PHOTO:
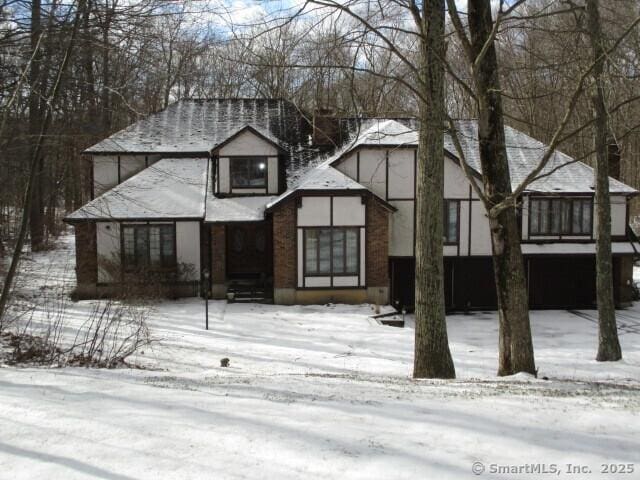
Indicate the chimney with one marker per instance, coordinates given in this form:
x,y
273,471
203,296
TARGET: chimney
x,y
326,128
613,152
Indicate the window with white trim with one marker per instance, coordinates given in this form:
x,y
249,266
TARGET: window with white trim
x,y
248,172
561,216
331,251
148,246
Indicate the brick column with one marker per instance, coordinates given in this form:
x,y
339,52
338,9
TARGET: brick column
x,y
86,259
218,261
285,254
377,252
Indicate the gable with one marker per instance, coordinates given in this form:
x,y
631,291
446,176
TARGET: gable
x,y
248,143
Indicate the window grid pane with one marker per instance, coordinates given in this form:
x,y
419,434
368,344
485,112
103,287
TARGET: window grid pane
x,y
154,246
148,246
248,172
587,214
560,216
351,253
450,227
324,251
331,251
311,253
338,251
535,215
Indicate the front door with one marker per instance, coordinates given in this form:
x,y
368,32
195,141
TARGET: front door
x,y
248,250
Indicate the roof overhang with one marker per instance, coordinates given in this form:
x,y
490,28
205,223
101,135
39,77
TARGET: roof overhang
x,y
331,193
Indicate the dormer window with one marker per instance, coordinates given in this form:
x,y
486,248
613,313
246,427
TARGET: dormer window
x,y
248,172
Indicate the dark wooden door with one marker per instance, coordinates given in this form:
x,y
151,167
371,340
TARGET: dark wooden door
x,y
248,250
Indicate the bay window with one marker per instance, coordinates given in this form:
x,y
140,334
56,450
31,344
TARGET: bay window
x,y
561,216
148,246
331,251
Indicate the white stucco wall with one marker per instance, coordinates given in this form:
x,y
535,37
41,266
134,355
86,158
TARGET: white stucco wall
x,y
272,175
224,180
349,166
188,248
314,212
105,169
618,215
401,173
105,173
480,231
348,211
248,144
456,184
401,229
373,170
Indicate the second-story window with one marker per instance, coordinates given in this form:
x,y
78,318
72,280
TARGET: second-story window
x,y
561,216
451,217
248,172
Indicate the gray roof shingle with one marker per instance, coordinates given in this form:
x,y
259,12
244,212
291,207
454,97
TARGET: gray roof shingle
x,y
170,188
523,151
197,126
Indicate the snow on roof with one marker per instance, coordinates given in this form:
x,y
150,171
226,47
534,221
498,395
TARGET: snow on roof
x,y
321,177
236,209
523,152
170,188
200,125
385,132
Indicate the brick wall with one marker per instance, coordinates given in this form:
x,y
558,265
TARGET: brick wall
x,y
284,245
218,259
377,244
86,253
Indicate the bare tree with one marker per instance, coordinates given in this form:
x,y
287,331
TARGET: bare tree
x,y
432,358
515,343
35,161
608,343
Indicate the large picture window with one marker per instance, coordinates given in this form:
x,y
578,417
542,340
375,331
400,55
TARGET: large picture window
x,y
560,216
248,172
331,251
148,246
451,217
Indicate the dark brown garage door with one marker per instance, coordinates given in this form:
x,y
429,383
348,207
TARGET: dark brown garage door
x,y
562,282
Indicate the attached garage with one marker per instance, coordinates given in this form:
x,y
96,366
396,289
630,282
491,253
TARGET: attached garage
x,y
554,282
562,282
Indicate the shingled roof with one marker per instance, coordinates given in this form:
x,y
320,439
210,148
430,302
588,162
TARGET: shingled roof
x,y
523,152
170,188
197,126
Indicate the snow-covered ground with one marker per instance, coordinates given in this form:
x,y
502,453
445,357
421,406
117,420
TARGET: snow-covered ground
x,y
318,392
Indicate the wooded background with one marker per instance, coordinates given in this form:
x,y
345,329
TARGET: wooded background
x,y
134,58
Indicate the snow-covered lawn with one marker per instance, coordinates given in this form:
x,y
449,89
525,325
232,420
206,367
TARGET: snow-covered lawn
x,y
318,392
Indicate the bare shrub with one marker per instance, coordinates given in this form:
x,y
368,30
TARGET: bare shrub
x,y
115,329
41,329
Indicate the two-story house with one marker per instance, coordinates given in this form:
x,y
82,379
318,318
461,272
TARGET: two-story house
x,y
225,195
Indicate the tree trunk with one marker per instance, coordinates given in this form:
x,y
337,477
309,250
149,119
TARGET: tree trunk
x,y
33,167
608,343
432,357
36,213
515,344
